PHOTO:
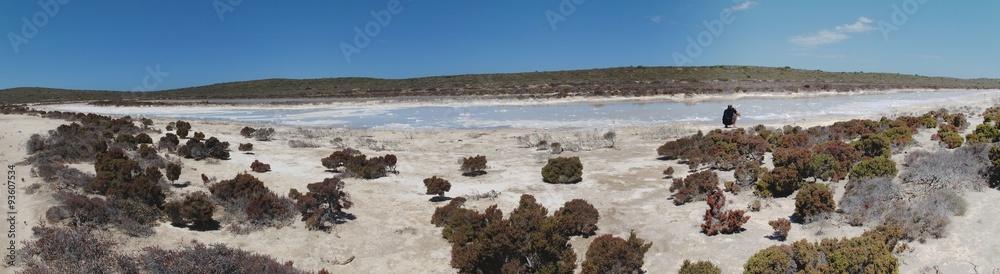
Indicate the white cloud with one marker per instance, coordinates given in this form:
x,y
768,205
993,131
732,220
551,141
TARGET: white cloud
x,y
656,19
743,6
837,34
862,25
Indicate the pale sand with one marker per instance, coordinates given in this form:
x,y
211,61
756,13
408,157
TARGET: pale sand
x,y
393,234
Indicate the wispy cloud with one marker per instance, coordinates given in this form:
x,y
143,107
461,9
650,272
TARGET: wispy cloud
x,y
656,18
743,6
835,35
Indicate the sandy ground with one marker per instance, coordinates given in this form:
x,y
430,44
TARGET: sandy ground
x,y
393,233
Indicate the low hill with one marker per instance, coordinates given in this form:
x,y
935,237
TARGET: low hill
x,y
627,81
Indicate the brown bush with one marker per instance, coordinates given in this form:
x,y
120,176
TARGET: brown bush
x,y
747,173
781,228
694,186
242,186
701,267
473,166
257,166
268,209
143,138
797,159
437,186
247,132
217,258
173,171
813,200
562,170
719,221
72,250
577,218
610,254
669,172
195,208
324,202
246,147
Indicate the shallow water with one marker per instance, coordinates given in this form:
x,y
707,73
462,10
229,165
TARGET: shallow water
x,y
759,110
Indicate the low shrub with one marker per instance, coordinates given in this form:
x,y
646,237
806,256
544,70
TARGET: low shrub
x,y
473,166
257,166
984,133
797,159
196,208
143,138
880,166
577,218
173,171
700,267
247,132
781,228
965,168
242,186
747,173
873,145
867,200
437,186
723,150
949,137
669,172
610,254
562,170
778,182
813,200
217,258
246,147
824,167
324,202
719,221
263,134
72,250
694,187
872,252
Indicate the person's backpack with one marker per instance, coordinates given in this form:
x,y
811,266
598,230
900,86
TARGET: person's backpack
x,y
727,117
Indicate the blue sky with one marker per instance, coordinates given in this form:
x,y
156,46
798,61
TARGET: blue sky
x,y
160,44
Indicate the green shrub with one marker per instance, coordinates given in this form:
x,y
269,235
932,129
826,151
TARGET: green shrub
x,y
813,200
984,133
949,137
872,252
825,167
779,182
562,170
701,267
872,145
876,167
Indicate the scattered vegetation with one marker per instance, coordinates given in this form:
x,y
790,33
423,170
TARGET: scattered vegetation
x,y
719,221
872,252
724,150
358,165
325,202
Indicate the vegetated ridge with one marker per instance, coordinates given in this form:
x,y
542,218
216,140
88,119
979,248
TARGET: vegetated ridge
x,y
622,81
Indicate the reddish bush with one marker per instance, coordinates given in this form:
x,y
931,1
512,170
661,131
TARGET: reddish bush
x,y
719,221
266,208
242,186
72,250
669,172
390,162
781,228
797,159
728,149
813,200
844,153
793,140
247,147
195,208
474,166
437,186
324,202
257,166
577,217
694,186
120,177
610,254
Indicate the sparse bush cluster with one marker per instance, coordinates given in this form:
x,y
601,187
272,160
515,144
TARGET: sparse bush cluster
x,y
694,187
195,148
961,169
356,164
563,170
872,252
719,221
529,240
719,149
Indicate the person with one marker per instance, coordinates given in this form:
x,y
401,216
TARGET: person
x,y
729,116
